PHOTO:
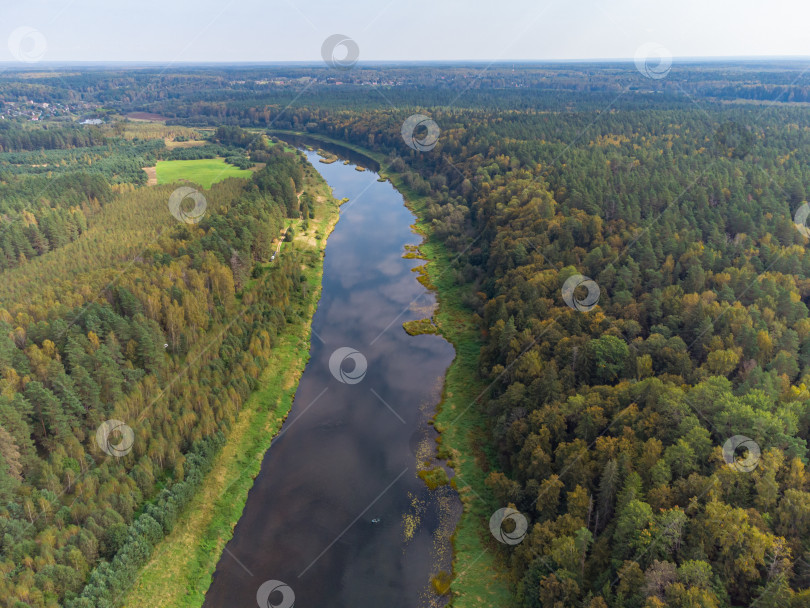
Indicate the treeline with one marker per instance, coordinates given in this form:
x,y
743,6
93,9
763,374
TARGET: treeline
x,y
171,346
237,146
261,95
16,139
232,155
281,178
119,161
609,424
133,544
234,136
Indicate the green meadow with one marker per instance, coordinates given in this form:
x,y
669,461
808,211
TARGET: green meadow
x,y
205,172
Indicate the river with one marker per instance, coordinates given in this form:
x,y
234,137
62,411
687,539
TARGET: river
x,y
337,513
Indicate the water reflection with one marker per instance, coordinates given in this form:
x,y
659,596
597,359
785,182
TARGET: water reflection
x,y
337,511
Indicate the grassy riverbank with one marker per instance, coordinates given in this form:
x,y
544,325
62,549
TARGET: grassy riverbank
x,y
179,572
476,581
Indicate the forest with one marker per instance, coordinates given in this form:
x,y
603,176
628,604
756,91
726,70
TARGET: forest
x,y
53,179
171,340
606,424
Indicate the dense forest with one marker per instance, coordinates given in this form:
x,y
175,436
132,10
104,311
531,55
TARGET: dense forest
x,y
606,424
609,423
171,341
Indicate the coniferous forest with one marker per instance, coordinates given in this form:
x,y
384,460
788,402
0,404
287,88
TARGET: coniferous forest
x,y
632,254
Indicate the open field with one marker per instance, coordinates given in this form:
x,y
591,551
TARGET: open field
x,y
194,143
142,129
204,172
148,116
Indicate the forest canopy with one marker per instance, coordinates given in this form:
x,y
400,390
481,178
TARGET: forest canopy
x,y
169,340
609,420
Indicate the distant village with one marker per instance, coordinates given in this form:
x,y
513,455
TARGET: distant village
x,y
35,111
283,81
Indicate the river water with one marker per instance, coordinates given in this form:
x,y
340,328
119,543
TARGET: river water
x,y
337,513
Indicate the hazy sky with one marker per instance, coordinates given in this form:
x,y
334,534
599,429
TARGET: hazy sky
x,y
290,30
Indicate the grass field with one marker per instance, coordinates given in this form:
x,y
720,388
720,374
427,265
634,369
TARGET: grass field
x,y
204,172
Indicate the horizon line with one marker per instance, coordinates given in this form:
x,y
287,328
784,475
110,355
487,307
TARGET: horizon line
x,y
379,62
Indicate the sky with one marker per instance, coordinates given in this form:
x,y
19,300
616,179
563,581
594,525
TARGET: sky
x,y
410,30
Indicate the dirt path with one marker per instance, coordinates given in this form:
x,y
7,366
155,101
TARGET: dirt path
x,y
151,172
280,241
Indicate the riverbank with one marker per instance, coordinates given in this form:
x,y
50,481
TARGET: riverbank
x,y
375,160
179,572
479,579
476,579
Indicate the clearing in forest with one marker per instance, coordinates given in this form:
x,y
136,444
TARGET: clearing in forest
x,y
205,172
